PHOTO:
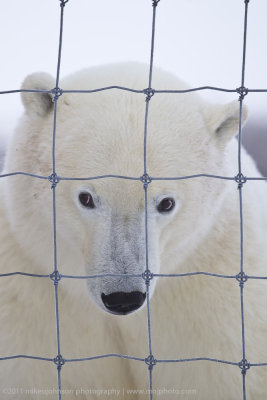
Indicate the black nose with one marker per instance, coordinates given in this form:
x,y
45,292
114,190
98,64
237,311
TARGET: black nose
x,y
122,302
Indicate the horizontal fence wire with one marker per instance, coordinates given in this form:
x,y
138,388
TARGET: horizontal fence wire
x,y
141,91
156,178
60,276
56,277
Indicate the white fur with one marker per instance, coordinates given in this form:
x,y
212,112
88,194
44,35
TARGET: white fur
x,y
102,133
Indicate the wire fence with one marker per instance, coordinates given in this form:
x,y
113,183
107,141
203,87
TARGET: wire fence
x,y
146,180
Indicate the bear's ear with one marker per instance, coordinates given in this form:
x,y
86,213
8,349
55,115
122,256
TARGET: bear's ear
x,y
38,103
223,120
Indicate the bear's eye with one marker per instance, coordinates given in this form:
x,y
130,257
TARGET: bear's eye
x,y
166,205
86,200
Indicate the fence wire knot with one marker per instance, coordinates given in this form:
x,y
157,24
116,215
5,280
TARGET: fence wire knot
x,y
63,2
59,361
146,179
147,276
241,278
54,179
244,365
149,93
150,361
55,277
155,3
240,179
243,91
57,92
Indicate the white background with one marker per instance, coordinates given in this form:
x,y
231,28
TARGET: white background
x,y
199,40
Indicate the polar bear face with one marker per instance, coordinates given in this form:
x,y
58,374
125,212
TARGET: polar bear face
x,y
101,222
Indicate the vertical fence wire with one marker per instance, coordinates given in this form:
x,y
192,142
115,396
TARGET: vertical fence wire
x,y
244,365
146,179
55,276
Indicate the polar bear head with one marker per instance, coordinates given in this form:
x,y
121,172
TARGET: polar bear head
x,y
101,226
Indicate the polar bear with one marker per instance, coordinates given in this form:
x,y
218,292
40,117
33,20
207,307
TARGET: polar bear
x,y
193,225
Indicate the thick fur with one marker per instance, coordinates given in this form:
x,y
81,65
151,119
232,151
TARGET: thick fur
x,y
199,316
